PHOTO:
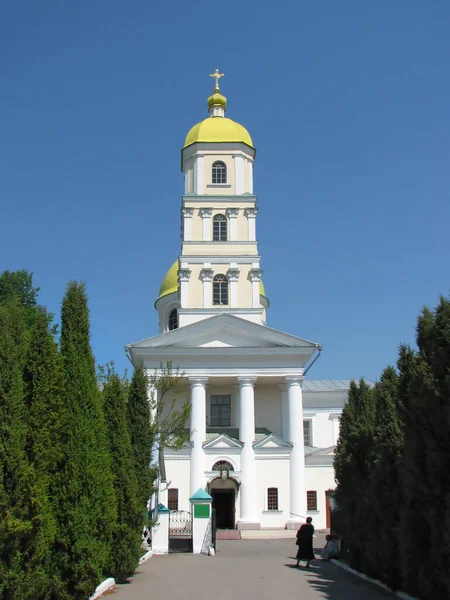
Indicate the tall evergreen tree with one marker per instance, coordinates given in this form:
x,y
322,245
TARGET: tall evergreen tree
x,y
383,487
15,471
353,459
44,419
86,502
138,419
126,535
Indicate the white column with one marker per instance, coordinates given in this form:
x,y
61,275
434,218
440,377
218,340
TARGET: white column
x,y
250,177
251,213
255,277
205,214
152,397
199,174
249,518
183,278
284,412
187,224
237,406
239,181
206,275
198,432
232,214
297,462
233,278
334,417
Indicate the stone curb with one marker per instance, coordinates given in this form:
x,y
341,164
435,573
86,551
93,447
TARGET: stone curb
x,y
146,556
103,587
110,583
342,565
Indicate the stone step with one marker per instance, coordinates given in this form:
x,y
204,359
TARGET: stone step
x,y
228,534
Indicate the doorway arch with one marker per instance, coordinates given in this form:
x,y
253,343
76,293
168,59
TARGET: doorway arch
x,y
224,491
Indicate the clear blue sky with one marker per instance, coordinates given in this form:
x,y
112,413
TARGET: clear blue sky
x,y
347,103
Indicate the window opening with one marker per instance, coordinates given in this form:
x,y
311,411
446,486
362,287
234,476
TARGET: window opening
x,y
272,499
219,228
172,499
221,411
173,319
219,172
307,433
220,290
221,465
311,500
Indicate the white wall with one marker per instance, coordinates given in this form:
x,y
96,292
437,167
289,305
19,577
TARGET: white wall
x,y
272,472
319,479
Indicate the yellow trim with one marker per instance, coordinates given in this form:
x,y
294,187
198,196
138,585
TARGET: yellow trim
x,y
218,129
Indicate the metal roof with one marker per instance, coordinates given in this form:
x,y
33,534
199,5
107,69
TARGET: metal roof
x,y
328,385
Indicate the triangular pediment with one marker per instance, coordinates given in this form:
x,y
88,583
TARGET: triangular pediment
x,y
272,441
222,441
225,331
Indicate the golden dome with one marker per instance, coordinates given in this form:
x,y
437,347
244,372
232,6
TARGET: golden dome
x,y
218,129
217,100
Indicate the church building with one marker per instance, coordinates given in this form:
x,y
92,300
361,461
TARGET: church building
x,y
262,435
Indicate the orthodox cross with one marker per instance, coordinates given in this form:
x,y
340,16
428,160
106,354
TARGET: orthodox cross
x,y
217,75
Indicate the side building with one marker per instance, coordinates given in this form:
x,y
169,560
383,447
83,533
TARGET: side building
x,y
262,436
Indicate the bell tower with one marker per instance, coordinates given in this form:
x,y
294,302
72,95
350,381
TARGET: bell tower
x,y
218,269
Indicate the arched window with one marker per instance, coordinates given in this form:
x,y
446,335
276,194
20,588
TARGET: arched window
x,y
219,172
173,319
221,465
220,290
220,228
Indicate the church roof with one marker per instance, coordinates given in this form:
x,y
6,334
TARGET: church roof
x,y
329,385
218,129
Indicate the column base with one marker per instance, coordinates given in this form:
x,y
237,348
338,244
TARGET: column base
x,y
294,524
248,525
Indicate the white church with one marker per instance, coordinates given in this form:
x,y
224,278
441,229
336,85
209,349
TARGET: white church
x,y
262,434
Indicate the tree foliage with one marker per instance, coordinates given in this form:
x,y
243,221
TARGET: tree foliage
x,y
126,534
394,491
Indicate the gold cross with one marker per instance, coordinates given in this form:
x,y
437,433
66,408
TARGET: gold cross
x,y
217,75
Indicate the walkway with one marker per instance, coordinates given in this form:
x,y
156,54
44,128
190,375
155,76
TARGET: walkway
x,y
245,569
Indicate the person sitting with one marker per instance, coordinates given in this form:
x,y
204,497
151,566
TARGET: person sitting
x,y
329,550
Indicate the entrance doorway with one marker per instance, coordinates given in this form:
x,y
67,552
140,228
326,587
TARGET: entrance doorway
x,y
223,502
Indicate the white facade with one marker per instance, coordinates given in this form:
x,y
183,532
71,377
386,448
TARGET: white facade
x,y
252,410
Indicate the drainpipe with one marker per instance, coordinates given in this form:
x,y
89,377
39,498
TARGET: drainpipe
x,y
319,348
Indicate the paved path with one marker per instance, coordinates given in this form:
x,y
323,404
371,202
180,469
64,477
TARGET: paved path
x,y
245,569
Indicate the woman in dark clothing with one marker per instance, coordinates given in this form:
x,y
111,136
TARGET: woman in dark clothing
x,y
305,542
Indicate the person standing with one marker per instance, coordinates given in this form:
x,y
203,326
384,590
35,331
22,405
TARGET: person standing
x,y
305,542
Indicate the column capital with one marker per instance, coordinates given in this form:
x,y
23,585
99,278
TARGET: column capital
x,y
255,275
233,274
187,212
251,213
232,212
244,380
198,380
206,274
205,212
184,274
294,379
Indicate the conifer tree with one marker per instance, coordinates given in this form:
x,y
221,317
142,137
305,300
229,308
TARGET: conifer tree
x,y
126,535
138,419
86,502
352,463
383,488
44,419
15,472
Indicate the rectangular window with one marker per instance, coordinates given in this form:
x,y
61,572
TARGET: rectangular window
x,y
272,499
172,499
311,500
307,433
221,411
